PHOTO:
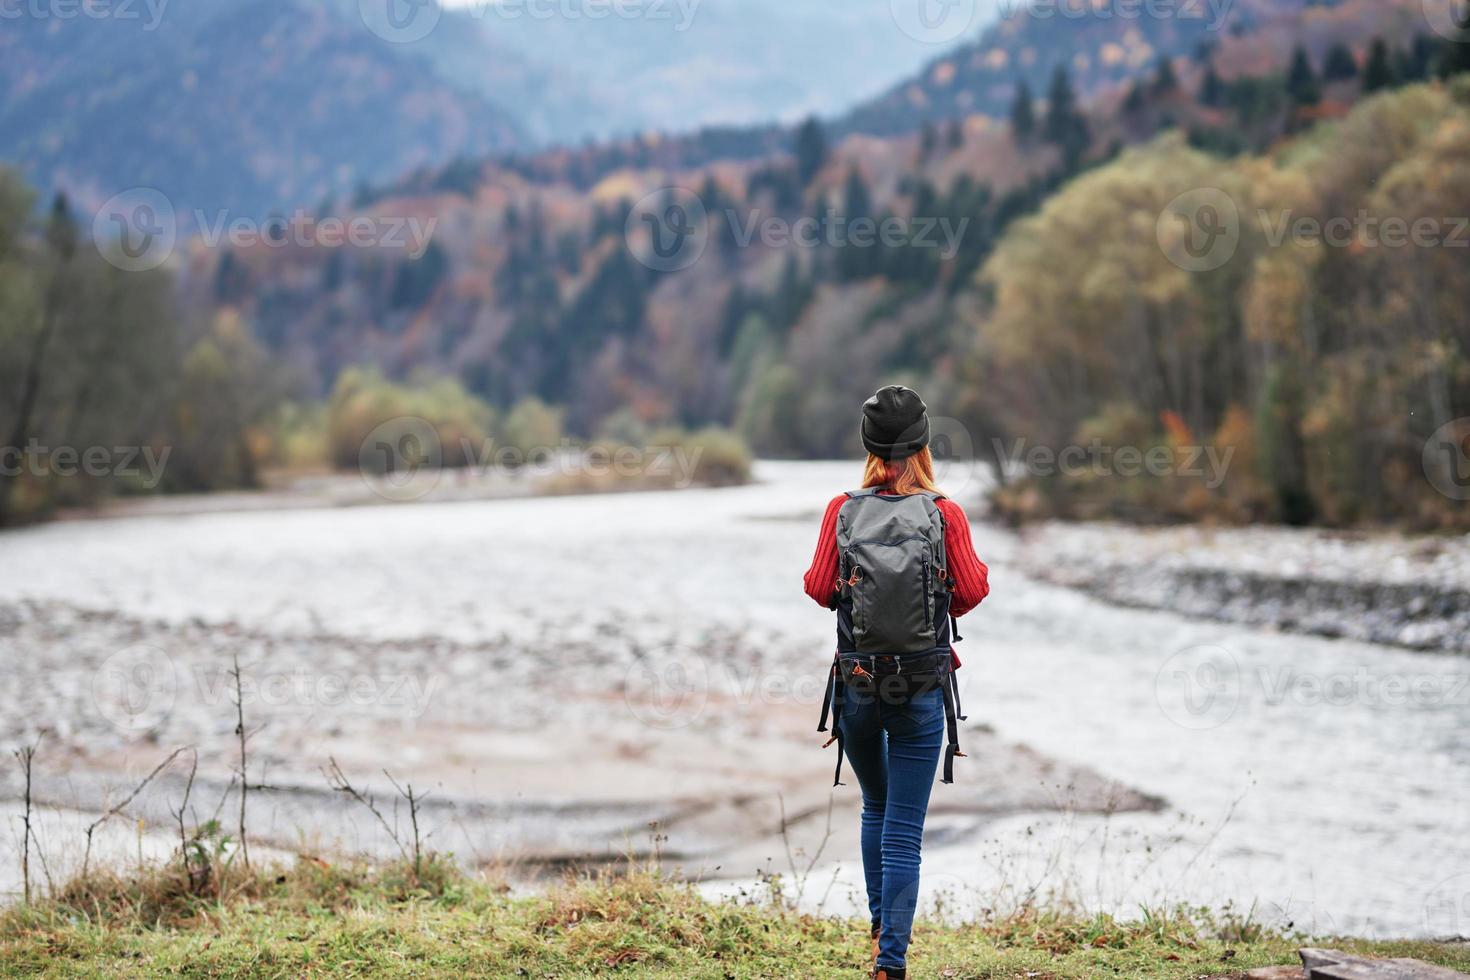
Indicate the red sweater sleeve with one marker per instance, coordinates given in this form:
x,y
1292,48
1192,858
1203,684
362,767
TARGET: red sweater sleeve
x,y
972,578
820,581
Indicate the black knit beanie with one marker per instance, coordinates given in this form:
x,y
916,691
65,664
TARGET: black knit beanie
x,y
895,423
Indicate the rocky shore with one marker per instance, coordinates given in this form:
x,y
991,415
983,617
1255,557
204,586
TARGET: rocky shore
x,y
1406,591
613,748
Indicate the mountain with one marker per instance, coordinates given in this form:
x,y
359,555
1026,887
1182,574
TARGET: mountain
x,y
231,106
683,64
242,107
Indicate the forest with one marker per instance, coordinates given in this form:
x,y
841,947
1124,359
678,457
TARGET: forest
x,y
1063,315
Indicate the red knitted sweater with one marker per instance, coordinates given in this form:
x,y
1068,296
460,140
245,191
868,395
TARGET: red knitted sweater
x,y
972,578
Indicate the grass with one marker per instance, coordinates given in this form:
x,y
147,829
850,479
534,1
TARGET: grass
x,y
316,919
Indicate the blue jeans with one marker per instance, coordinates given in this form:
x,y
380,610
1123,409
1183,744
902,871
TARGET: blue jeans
x,y
893,749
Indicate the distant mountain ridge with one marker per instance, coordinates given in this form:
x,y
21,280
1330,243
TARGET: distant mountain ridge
x,y
245,105
1106,48
253,106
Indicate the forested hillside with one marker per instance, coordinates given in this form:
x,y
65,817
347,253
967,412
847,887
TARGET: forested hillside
x,y
1033,281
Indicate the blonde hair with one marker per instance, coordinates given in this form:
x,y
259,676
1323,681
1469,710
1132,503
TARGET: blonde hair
x,y
903,476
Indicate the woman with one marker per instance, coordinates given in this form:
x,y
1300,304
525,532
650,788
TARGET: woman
x,y
895,561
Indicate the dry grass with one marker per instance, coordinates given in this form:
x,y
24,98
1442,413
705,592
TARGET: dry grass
x,y
318,919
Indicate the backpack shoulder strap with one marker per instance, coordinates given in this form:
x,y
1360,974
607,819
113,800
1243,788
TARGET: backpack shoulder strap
x,y
865,492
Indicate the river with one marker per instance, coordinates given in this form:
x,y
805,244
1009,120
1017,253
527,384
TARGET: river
x,y
1323,783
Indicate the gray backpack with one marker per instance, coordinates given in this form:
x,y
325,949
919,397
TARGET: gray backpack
x,y
892,602
891,564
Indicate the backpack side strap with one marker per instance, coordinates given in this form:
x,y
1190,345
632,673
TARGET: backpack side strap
x,y
951,691
832,703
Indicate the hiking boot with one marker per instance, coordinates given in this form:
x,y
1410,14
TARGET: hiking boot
x,y
876,929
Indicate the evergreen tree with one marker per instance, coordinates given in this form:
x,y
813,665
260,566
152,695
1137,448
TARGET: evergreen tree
x,y
1378,73
1454,56
1406,70
956,134
792,296
928,139
1134,102
418,278
856,261
811,150
1023,113
1340,65
1064,124
1165,81
1301,79
1061,106
1212,89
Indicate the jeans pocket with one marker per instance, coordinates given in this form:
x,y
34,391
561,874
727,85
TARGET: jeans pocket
x,y
920,714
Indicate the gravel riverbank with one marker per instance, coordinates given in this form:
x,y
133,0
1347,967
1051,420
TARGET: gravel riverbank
x,y
529,758
1381,587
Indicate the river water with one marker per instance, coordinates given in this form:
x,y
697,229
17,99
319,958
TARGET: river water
x,y
1323,783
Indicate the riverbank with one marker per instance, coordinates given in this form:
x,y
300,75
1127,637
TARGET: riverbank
x,y
705,460
1376,587
538,753
321,918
